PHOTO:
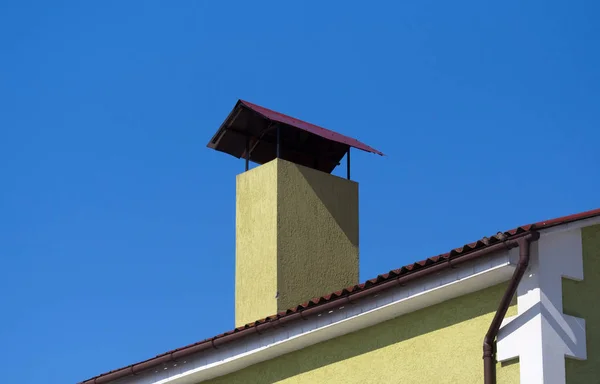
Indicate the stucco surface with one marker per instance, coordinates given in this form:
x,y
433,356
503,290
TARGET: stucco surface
x,y
582,299
296,237
438,344
317,233
256,244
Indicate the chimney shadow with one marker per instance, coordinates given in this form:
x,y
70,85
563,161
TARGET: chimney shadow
x,y
342,208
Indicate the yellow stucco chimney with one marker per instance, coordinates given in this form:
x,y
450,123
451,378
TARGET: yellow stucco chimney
x,y
296,237
296,224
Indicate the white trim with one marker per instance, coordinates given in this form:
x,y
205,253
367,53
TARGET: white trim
x,y
570,226
541,335
467,278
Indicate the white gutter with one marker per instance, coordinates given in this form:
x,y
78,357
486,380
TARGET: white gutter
x,y
469,277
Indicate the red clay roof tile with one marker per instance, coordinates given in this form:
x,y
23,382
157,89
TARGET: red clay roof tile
x,y
485,242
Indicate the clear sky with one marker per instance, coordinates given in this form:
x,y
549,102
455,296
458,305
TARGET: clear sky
x,y
117,223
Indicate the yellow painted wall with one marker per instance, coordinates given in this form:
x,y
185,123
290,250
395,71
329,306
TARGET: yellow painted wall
x,y
317,233
296,236
256,244
582,299
438,344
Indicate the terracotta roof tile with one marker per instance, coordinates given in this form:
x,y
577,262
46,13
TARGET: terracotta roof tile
x,y
393,274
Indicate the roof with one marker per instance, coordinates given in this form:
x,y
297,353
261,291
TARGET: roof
x,y
371,284
256,128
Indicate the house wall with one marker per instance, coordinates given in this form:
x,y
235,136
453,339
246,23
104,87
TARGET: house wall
x,y
581,299
438,344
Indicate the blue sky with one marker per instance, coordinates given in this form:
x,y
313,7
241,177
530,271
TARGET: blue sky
x,y
117,223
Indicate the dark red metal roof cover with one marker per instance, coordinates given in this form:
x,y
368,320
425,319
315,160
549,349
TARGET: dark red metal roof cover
x,y
300,142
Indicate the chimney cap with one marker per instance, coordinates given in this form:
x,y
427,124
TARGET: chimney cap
x,y
253,128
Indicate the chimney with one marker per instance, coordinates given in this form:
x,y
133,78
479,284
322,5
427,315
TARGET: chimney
x,y
296,224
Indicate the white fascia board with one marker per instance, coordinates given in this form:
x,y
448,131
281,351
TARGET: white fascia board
x,y
467,278
570,226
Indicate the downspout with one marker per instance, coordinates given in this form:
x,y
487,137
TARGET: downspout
x,y
489,353
277,321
